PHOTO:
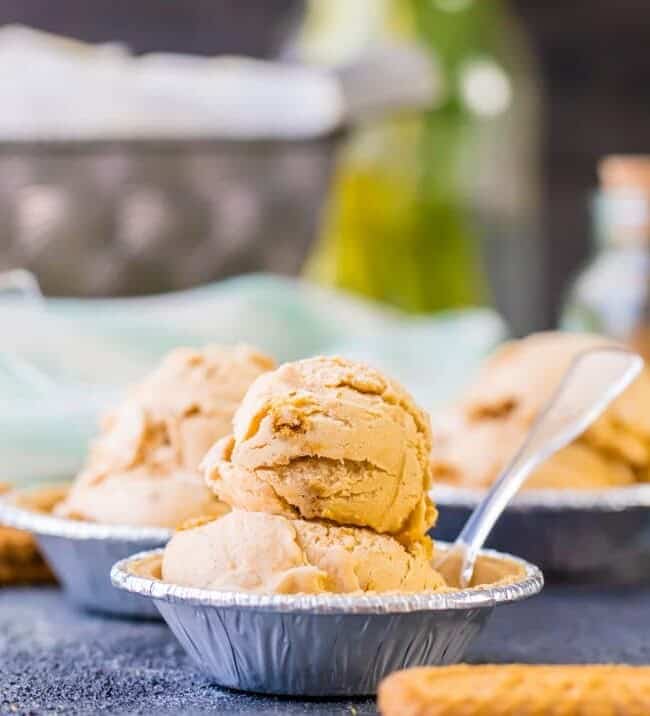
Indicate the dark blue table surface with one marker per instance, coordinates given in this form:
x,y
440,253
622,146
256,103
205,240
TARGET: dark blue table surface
x,y
54,660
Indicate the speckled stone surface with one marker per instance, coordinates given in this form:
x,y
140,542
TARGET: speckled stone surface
x,y
54,660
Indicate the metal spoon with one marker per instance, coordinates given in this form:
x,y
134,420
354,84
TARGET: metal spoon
x,y
593,380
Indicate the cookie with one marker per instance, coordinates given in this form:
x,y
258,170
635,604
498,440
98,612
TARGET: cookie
x,y
522,689
20,560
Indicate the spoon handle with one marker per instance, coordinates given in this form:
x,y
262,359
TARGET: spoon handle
x,y
572,408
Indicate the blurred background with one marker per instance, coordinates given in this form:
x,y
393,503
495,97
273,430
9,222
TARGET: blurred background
x,y
464,182
404,181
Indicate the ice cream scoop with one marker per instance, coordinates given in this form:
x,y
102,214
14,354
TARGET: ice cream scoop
x,y
271,554
593,380
476,436
143,467
141,497
180,409
328,438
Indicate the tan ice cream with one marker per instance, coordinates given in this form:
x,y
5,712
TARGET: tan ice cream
x,y
482,431
259,552
326,438
140,497
143,467
328,474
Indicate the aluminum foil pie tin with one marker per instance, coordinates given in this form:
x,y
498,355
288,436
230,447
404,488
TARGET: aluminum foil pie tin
x,y
575,535
81,555
325,644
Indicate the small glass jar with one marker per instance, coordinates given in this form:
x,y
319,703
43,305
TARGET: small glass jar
x,y
611,295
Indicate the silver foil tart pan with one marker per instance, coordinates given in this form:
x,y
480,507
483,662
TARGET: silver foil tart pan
x,y
573,535
81,555
325,644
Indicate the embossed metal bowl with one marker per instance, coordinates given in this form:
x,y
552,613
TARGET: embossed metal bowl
x,y
149,216
154,201
590,536
81,555
325,644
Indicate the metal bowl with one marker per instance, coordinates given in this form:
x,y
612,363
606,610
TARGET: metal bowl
x,y
590,536
100,218
326,644
81,555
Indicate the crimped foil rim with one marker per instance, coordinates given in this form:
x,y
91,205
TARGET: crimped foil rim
x,y
45,524
614,499
479,597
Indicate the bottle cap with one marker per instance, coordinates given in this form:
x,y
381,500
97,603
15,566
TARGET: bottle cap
x,y
623,202
621,171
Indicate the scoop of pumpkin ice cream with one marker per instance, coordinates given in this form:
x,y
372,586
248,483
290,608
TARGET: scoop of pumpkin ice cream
x,y
319,439
139,497
327,438
265,553
177,412
143,467
478,435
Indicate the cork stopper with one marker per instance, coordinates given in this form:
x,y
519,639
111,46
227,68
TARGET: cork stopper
x,y
620,171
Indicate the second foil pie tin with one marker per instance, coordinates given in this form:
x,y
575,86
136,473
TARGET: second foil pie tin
x,y
81,555
324,644
575,535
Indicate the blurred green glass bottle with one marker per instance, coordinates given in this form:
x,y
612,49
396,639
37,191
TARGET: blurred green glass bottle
x,y
399,226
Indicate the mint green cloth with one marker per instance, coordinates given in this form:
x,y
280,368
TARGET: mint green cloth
x,y
90,349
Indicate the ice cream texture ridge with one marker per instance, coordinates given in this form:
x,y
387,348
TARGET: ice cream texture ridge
x,y
143,468
327,471
477,436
